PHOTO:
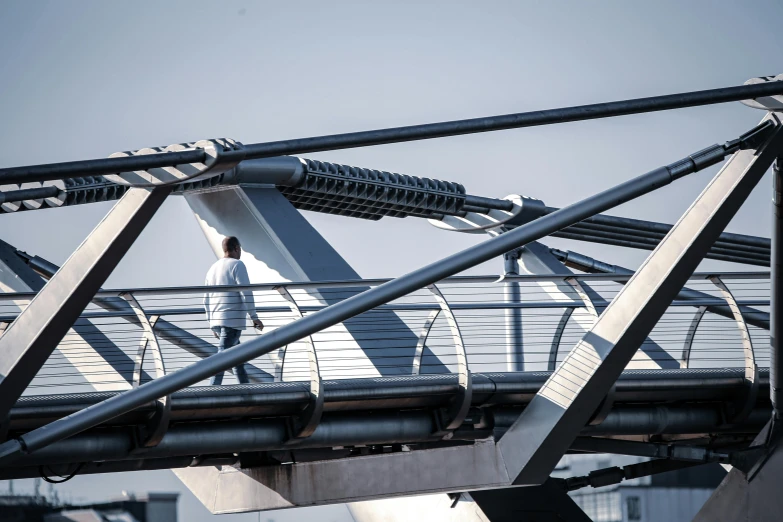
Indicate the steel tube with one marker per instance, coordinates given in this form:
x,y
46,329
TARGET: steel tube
x,y
173,333
660,420
355,395
398,134
12,196
409,427
97,167
122,466
661,229
511,121
515,355
650,243
664,228
471,208
490,203
363,283
658,236
752,316
630,244
776,294
357,304
234,437
633,420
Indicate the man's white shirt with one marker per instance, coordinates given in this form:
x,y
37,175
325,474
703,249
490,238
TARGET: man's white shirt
x,y
229,308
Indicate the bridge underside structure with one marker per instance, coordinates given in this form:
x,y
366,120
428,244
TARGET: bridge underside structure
x,y
375,392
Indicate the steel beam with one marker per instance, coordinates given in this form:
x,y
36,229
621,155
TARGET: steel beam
x,y
533,445
32,337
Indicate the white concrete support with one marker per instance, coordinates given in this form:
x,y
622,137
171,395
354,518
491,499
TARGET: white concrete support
x,y
278,244
456,469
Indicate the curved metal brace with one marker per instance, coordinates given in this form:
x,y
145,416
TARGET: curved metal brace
x,y
454,416
308,420
577,286
138,366
685,359
158,423
556,339
425,333
751,368
580,291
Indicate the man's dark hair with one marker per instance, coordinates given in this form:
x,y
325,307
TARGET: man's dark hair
x,y
230,244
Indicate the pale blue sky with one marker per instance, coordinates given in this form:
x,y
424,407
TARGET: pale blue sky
x,y
84,79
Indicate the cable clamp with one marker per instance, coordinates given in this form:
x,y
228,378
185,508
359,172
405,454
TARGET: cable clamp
x,y
221,155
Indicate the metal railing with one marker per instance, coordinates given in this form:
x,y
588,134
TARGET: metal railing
x,y
455,326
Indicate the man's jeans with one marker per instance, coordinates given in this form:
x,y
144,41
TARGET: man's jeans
x,y
228,337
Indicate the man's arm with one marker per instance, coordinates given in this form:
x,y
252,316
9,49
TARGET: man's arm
x,y
242,278
205,303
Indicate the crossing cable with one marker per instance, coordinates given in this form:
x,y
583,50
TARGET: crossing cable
x,y
162,158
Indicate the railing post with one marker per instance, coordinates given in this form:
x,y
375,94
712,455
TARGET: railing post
x,y
515,357
685,359
776,293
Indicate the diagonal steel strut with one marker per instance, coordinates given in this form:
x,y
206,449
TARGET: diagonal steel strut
x,y
33,336
382,294
533,445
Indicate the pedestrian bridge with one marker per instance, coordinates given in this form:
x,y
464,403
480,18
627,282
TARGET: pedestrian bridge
x,y
431,382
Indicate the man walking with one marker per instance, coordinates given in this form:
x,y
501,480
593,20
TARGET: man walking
x,y
226,309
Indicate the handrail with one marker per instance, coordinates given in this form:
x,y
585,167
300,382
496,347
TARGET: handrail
x,y
173,290
402,307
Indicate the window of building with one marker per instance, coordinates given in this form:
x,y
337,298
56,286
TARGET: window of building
x,y
601,507
634,507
